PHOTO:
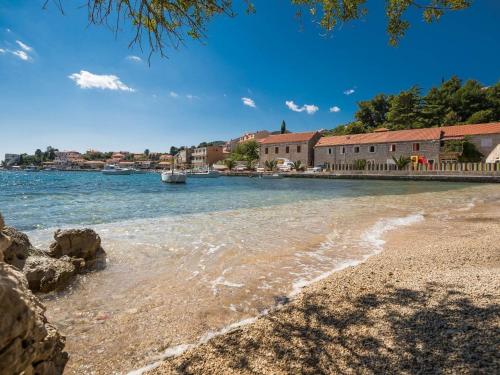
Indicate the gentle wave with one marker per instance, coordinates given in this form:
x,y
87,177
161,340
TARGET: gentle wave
x,y
373,239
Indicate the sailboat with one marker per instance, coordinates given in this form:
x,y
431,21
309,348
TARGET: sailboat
x,y
173,176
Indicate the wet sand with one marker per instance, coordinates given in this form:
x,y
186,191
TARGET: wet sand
x,y
429,303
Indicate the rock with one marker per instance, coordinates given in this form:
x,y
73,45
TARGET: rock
x,y
5,241
28,343
45,274
19,249
81,244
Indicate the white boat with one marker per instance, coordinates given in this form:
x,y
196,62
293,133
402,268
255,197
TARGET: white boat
x,y
138,171
114,170
173,177
31,168
205,174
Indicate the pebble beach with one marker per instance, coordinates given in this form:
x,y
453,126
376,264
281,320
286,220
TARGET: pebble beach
x,y
429,303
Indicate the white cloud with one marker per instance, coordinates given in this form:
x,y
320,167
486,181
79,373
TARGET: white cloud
x,y
87,80
334,109
173,94
248,102
23,46
190,96
349,92
2,50
21,54
134,58
311,109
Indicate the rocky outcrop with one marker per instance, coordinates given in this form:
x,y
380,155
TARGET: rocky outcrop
x,y
45,274
82,244
73,251
19,249
28,343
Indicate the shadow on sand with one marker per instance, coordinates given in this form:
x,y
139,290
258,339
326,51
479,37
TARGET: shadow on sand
x,y
434,330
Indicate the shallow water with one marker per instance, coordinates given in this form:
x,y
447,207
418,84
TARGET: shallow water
x,y
185,261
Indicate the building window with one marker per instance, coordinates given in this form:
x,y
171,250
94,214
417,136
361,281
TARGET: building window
x,y
392,148
287,149
342,150
329,151
298,148
372,149
266,150
486,142
356,149
416,147
276,150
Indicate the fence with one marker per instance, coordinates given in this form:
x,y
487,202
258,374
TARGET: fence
x,y
445,168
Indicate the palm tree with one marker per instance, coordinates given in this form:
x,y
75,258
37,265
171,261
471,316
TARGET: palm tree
x,y
298,166
271,165
401,162
230,163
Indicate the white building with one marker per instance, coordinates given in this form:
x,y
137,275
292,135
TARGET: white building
x,y
12,159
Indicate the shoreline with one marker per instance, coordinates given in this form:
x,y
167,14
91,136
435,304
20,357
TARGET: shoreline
x,y
307,335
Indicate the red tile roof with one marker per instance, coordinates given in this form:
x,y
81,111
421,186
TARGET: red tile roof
x,y
472,129
288,138
428,134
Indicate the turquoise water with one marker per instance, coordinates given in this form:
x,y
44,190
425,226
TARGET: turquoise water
x,y
49,199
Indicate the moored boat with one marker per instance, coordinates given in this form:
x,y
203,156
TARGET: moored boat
x,y
174,177
114,170
31,168
205,174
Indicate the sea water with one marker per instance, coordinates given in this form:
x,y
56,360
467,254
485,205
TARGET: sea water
x,y
186,262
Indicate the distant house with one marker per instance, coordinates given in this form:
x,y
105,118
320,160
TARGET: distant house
x,y
67,158
257,135
292,146
382,145
12,159
203,157
183,158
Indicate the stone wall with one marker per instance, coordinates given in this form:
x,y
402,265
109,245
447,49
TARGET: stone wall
x,y
306,154
329,155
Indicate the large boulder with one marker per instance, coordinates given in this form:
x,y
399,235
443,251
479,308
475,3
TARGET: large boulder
x,y
79,244
28,343
19,249
5,241
45,274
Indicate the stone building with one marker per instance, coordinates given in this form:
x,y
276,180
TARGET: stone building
x,y
183,158
233,143
291,146
382,145
203,157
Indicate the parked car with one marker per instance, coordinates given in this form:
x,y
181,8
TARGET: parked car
x,y
240,168
314,170
286,166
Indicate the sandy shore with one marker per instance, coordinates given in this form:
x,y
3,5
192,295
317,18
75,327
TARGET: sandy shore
x,y
429,303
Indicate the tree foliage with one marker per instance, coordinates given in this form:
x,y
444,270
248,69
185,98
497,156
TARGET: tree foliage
x,y
246,151
271,165
401,162
167,23
450,103
283,127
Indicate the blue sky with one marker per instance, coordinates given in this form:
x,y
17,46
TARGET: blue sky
x,y
198,93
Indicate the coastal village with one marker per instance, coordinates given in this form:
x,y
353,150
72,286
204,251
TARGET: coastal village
x,y
421,149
